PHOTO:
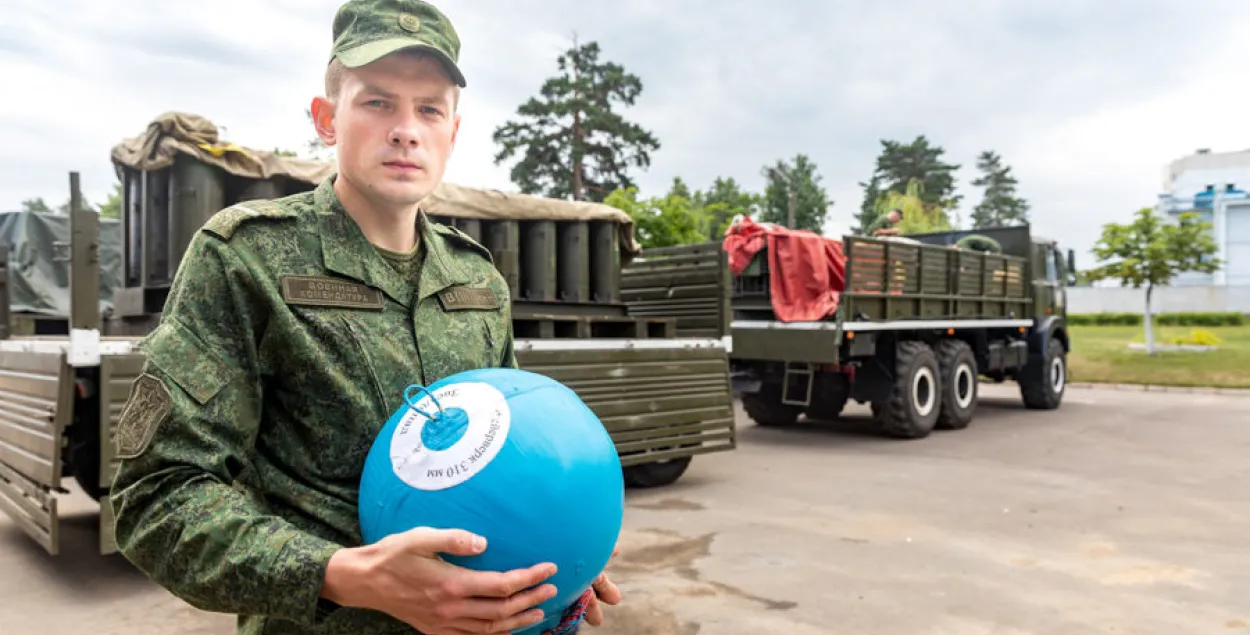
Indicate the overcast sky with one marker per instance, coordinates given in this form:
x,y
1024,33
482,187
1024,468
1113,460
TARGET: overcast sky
x,y
1087,100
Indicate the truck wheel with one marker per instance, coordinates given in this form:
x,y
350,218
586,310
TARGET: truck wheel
x,y
959,384
656,474
1042,385
916,400
765,407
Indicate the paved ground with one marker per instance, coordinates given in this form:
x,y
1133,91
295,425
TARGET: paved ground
x,y
1122,513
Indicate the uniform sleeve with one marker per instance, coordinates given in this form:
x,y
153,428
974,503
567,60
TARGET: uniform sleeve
x,y
508,360
185,434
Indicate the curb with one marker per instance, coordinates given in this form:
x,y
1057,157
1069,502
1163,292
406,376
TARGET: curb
x,y
1189,390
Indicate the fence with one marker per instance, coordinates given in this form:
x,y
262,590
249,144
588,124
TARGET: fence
x,y
1183,299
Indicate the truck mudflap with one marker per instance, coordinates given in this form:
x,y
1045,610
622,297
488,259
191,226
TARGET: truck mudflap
x,y
36,403
660,399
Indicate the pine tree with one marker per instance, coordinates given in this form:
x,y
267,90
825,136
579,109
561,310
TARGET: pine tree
x,y
999,206
571,141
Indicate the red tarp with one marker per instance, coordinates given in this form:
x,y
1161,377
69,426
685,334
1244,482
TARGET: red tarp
x,y
807,271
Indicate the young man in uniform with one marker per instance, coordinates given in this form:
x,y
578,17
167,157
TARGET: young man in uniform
x,y
290,332
885,225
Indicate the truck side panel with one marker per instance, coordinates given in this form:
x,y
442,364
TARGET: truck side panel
x,y
690,283
36,393
892,280
117,373
657,403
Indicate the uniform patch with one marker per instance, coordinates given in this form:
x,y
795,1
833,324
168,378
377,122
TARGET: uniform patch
x,y
317,291
461,298
147,407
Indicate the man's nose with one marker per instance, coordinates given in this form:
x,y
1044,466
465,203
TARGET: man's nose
x,y
405,134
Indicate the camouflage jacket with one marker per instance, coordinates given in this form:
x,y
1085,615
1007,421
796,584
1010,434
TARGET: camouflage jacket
x,y
286,343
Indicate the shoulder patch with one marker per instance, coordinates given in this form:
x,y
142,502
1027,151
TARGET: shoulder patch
x,y
147,407
225,222
462,239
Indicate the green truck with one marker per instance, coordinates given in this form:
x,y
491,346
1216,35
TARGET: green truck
x,y
664,396
918,325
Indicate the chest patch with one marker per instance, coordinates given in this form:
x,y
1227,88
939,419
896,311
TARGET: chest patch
x,y
461,298
318,291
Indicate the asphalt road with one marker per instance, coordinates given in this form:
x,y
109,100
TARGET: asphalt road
x,y
1123,512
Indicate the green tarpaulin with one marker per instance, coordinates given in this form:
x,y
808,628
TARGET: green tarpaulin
x,y
38,279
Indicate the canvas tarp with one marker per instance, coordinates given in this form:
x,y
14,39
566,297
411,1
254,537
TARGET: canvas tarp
x,y
176,132
38,283
458,201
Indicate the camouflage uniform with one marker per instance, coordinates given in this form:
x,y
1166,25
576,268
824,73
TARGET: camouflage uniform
x,y
286,343
882,222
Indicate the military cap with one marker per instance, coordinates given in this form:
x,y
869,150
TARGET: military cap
x,y
366,30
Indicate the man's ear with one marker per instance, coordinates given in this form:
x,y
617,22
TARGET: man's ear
x,y
323,120
455,131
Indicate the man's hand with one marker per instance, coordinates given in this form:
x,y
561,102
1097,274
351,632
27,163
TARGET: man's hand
x,y
403,576
601,590
605,592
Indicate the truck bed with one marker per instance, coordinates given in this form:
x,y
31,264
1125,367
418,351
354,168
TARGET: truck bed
x,y
890,285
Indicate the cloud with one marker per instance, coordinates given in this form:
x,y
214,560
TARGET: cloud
x,y
1086,100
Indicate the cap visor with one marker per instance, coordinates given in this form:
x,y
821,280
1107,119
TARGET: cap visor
x,y
373,51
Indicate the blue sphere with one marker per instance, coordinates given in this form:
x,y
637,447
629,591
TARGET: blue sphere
x,y
510,455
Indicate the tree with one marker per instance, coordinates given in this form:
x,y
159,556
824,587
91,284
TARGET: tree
x,y
112,206
36,206
571,142
724,200
661,221
811,201
1151,252
999,206
869,208
899,164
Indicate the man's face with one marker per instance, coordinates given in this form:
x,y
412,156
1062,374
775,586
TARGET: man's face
x,y
894,217
394,126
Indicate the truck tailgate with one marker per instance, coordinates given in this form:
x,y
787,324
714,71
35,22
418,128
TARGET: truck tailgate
x,y
36,392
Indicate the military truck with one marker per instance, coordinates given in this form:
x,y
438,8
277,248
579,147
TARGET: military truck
x,y
919,323
664,397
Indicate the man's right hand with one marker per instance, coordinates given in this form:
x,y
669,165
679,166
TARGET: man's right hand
x,y
403,576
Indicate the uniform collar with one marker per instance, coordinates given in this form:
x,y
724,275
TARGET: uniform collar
x,y
346,251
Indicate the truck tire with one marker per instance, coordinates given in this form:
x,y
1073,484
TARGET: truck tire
x,y
916,400
765,407
1043,381
958,373
657,474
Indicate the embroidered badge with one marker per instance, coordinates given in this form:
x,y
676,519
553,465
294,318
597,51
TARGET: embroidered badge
x,y
147,407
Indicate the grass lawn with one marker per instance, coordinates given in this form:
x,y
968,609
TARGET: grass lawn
x,y
1101,354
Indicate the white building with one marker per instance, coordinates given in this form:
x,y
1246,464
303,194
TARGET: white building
x,y
1215,185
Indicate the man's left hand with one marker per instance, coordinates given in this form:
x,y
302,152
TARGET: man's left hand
x,y
602,591
605,592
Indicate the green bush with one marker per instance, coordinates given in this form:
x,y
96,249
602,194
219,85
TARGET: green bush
x,y
1165,319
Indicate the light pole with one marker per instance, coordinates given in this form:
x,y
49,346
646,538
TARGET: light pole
x,y
782,175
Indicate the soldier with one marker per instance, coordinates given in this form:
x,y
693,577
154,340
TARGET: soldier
x,y
290,332
885,225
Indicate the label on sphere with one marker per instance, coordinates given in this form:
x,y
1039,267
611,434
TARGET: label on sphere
x,y
426,469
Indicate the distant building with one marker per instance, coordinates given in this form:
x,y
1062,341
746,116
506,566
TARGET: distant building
x,y
1215,185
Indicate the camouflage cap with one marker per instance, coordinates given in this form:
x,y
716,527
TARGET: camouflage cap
x,y
366,30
